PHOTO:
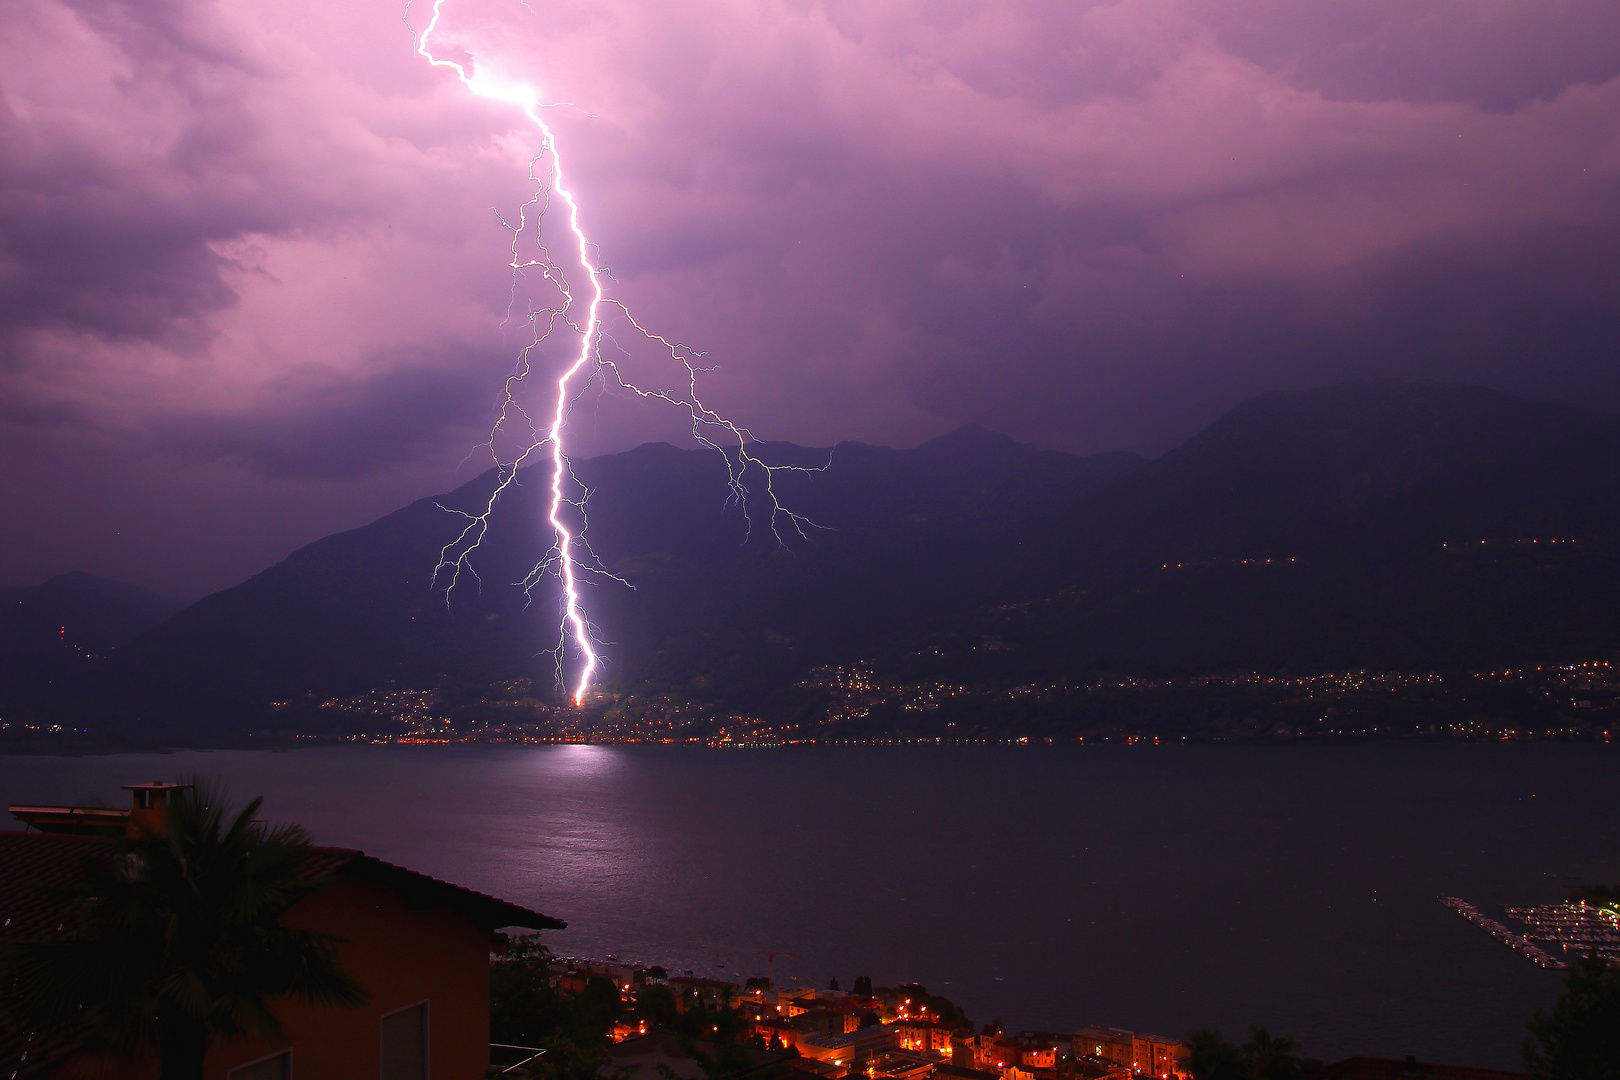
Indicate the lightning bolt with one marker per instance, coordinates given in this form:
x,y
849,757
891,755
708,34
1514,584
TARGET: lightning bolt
x,y
570,557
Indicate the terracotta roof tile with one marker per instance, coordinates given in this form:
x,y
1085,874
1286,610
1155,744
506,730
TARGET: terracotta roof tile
x,y
420,890
35,873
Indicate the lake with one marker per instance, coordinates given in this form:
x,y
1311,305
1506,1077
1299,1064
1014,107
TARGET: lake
x,y
1157,888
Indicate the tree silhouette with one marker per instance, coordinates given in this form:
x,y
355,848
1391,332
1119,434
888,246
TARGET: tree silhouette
x,y
1263,1057
1269,1057
656,1005
1580,1038
180,940
523,1004
1210,1057
600,1004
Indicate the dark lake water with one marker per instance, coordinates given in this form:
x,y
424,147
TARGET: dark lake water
x,y
1154,888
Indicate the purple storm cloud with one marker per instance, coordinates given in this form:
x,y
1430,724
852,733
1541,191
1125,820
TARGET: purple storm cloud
x,y
252,277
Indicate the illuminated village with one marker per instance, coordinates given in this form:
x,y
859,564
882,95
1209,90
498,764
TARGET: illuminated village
x,y
855,704
885,1033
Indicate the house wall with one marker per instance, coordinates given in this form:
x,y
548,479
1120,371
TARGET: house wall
x,y
1116,1046
401,957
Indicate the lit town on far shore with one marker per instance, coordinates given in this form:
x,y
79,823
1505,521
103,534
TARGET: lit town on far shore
x,y
846,699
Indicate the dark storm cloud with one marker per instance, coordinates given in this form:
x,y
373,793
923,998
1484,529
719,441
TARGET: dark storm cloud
x,y
1496,55
117,243
1099,224
314,426
261,235
1534,314
144,273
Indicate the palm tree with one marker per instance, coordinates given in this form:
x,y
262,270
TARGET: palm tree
x,y
1210,1057
1271,1057
180,939
1579,1038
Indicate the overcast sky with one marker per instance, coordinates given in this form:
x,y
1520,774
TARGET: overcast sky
x,y
253,269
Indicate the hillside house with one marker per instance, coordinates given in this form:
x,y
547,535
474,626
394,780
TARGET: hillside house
x,y
418,946
926,1035
696,991
1145,1055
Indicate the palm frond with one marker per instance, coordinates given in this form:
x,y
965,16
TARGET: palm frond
x,y
181,932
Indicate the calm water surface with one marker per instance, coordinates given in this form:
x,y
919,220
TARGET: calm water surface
x,y
1154,888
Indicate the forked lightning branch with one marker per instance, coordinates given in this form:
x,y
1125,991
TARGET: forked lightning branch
x,y
580,303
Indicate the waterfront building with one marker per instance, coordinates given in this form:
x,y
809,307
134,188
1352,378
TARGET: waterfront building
x,y
798,1005
568,980
1093,1067
1110,1044
835,1049
985,1052
1145,1055
710,993
900,1066
1035,1052
821,1070
923,1035
1061,1043
1029,1072
776,1032
958,1072
872,1040
756,1008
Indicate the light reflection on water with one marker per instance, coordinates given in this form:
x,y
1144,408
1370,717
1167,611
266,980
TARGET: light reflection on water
x,y
1154,888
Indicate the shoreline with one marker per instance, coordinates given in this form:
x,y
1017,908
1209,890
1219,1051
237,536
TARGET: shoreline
x,y
283,743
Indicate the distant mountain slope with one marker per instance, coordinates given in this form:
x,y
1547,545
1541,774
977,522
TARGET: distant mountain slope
x,y
901,537
1374,524
53,635
1371,464
90,613
1406,526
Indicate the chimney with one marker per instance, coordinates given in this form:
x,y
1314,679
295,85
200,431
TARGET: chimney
x,y
1411,1067
150,811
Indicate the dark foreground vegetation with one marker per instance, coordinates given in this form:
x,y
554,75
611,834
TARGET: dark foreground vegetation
x,y
180,941
1578,1038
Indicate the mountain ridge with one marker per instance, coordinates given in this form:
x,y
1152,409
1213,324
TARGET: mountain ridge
x,y
1302,530
660,517
1371,501
52,636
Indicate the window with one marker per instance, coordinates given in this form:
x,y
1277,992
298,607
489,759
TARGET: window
x,y
274,1067
405,1044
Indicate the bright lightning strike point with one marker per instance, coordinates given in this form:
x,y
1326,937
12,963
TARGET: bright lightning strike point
x,y
707,425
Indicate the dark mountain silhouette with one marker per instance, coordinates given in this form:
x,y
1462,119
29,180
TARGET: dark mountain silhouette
x,y
1380,524
1383,524
54,636
89,613
712,600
